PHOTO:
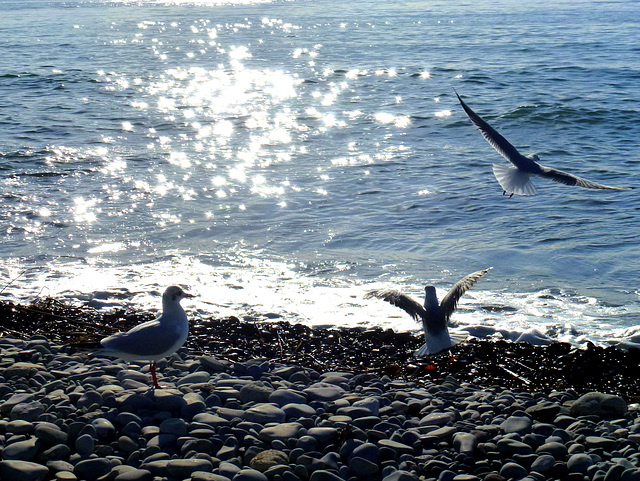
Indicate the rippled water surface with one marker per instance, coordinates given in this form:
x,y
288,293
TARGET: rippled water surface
x,y
286,157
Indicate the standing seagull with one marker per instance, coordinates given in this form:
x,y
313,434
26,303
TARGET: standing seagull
x,y
434,315
153,340
516,179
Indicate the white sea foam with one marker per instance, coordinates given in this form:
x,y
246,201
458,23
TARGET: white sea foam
x,y
268,290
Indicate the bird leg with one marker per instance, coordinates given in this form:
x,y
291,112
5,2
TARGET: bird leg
x,y
504,192
152,368
511,195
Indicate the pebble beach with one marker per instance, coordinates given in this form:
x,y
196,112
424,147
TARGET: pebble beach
x,y
257,409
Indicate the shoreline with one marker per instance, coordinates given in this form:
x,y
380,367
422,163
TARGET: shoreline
x,y
515,365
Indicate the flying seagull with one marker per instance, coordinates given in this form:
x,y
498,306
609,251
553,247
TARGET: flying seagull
x,y
516,180
434,315
153,340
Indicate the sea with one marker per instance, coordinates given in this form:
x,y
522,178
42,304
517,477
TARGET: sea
x,y
281,158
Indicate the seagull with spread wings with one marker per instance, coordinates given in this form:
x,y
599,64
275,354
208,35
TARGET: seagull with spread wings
x,y
434,315
516,180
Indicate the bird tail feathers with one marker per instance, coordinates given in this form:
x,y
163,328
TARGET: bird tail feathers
x,y
457,338
436,344
513,180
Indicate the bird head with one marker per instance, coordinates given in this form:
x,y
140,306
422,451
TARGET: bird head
x,y
174,294
431,298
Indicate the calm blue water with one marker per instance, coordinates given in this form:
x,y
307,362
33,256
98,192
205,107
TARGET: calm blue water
x,y
286,157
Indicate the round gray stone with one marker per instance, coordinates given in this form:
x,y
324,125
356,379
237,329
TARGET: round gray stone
x,y
282,431
401,475
104,428
595,442
543,463
249,475
184,468
579,463
30,411
517,424
323,392
134,475
175,426
511,446
203,476
264,413
50,434
555,449
605,406
281,397
435,419
22,450
267,459
89,398
362,468
198,377
370,404
465,443
85,445
22,471
400,448
322,434
324,475
255,392
296,410
91,469
513,471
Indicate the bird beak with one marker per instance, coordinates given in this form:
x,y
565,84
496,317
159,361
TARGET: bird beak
x,y
186,294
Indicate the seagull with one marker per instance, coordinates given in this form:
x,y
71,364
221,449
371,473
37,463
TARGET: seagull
x,y
153,340
516,179
434,315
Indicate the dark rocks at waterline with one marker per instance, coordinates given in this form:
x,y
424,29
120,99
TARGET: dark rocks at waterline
x,y
508,364
97,419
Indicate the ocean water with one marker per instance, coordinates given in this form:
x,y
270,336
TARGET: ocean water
x,y
282,158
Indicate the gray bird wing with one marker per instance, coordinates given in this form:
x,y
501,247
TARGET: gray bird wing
x,y
398,299
137,340
570,179
496,140
450,301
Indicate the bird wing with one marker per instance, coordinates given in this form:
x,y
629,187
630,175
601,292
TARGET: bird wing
x,y
450,301
570,179
146,339
496,140
398,299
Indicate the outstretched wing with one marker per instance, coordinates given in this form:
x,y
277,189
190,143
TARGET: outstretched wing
x,y
569,179
400,300
496,140
450,301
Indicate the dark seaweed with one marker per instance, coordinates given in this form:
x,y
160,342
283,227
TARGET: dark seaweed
x,y
485,363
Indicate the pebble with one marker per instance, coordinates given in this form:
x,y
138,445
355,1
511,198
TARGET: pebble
x,y
249,474
517,424
92,469
22,471
543,463
90,419
22,450
184,468
513,471
579,463
605,406
265,413
265,460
